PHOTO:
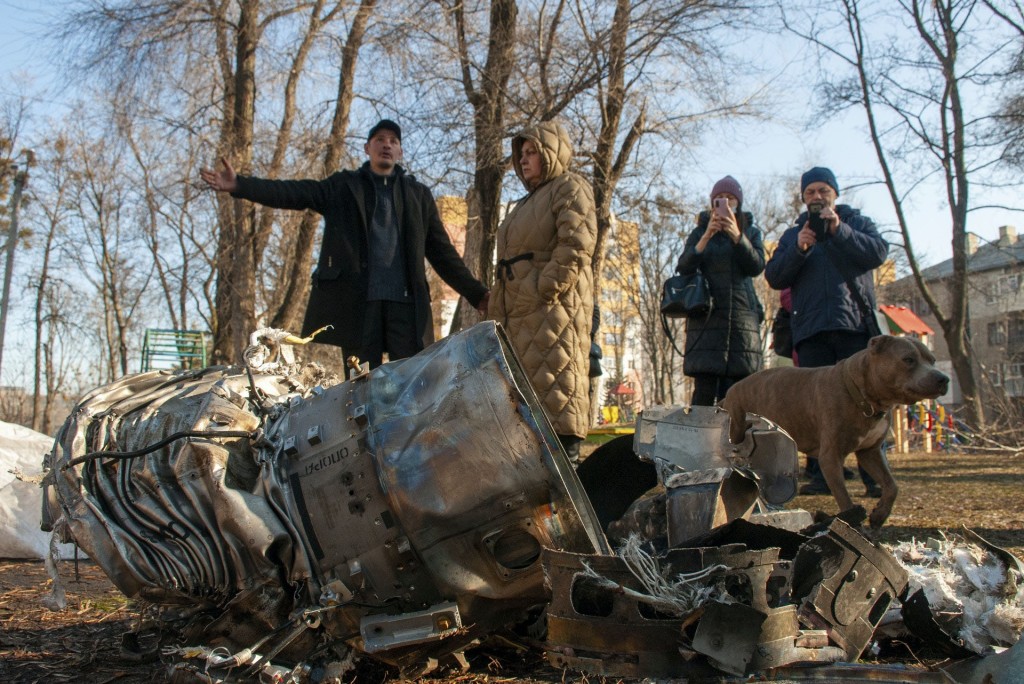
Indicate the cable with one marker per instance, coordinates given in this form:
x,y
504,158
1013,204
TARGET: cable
x,y
125,455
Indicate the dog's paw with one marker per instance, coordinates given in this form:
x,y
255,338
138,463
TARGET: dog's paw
x,y
878,518
738,431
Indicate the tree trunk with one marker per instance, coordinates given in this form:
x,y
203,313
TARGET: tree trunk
x,y
296,281
236,257
488,99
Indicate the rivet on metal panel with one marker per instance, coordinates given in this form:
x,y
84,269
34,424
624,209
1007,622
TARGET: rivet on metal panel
x,y
313,435
290,446
359,415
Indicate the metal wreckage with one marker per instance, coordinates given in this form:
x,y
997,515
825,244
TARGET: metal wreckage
x,y
279,523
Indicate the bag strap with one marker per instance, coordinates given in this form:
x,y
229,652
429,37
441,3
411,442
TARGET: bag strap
x,y
865,311
668,333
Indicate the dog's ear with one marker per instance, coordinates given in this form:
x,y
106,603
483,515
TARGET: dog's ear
x,y
879,343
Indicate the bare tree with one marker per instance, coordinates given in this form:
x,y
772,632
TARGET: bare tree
x,y
294,284
923,74
642,38
46,316
104,249
1010,117
484,84
663,230
143,45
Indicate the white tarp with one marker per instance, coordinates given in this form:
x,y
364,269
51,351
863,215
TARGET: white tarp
x,y
21,451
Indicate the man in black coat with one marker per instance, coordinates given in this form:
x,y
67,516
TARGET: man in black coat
x,y
379,224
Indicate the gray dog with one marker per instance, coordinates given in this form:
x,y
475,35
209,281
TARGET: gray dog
x,y
834,410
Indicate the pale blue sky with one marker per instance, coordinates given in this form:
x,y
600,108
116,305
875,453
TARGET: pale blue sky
x,y
749,150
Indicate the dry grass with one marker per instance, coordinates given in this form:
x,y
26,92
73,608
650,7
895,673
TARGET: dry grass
x,y
938,492
942,491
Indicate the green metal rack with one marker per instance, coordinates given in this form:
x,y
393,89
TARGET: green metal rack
x,y
166,349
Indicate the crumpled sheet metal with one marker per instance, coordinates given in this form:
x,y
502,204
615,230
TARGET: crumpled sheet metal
x,y
807,600
174,525
694,438
1006,667
419,494
708,481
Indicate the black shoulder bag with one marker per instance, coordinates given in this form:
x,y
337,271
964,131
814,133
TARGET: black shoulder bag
x,y
686,295
782,334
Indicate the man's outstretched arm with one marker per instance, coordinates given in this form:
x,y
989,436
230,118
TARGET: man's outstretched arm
x,y
225,180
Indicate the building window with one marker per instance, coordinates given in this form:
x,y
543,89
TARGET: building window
x,y
1013,371
1002,287
1015,331
997,333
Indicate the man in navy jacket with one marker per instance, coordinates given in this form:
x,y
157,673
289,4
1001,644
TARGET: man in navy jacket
x,y
380,224
831,248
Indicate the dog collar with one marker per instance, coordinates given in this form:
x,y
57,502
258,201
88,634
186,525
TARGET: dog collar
x,y
858,397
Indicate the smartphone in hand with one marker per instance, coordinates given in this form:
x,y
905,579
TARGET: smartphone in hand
x,y
815,220
722,207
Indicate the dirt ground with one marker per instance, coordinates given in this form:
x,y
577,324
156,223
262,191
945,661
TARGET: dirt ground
x,y
938,492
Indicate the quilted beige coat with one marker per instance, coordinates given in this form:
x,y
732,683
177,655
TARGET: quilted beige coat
x,y
543,292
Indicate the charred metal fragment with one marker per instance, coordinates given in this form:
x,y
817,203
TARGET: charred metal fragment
x,y
845,584
607,631
920,620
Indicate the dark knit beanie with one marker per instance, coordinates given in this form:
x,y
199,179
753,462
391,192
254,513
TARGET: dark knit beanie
x,y
729,185
386,125
819,174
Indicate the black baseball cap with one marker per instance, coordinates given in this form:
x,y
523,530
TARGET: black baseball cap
x,y
386,125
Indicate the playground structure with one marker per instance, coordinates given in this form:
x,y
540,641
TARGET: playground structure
x,y
926,426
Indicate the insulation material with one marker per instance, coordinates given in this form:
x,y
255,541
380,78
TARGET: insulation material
x,y
21,456
972,593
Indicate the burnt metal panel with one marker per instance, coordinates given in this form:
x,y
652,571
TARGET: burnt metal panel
x,y
845,584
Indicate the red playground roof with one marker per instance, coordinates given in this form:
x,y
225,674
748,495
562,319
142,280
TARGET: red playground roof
x,y
906,320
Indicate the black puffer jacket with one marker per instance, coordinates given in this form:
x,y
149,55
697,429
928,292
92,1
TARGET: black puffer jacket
x,y
728,341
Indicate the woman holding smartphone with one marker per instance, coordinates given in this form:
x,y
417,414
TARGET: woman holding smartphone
x,y
726,246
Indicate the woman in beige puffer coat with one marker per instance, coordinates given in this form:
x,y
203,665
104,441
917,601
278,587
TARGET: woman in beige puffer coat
x,y
543,293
